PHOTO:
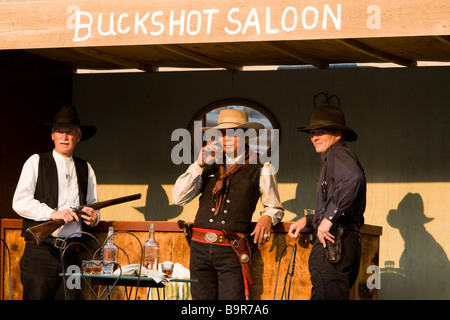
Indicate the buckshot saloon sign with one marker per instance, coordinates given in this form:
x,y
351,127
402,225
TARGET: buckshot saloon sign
x,y
60,23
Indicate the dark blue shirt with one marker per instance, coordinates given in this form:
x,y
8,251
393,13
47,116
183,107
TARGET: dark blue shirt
x,y
343,181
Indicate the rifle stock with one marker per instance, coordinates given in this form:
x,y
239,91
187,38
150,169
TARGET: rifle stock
x,y
40,232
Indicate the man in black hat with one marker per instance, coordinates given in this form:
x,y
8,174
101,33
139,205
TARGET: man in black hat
x,y
340,204
49,185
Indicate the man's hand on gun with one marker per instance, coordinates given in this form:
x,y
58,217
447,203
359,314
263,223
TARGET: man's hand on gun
x,y
67,215
88,215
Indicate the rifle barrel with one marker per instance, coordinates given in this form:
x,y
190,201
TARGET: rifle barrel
x,y
107,203
42,231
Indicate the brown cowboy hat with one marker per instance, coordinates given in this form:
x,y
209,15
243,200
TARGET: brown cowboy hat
x,y
234,119
329,117
68,116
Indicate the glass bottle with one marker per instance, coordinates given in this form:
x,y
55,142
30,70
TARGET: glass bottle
x,y
151,250
110,253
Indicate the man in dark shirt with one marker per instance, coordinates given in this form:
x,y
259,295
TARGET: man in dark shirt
x,y
340,204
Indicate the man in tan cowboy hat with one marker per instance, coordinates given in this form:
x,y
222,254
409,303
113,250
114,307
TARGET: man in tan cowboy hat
x,y
230,185
49,185
340,205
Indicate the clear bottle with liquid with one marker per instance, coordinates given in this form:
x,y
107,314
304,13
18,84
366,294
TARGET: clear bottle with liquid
x,y
151,250
110,253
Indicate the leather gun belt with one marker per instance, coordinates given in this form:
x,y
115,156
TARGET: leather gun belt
x,y
210,236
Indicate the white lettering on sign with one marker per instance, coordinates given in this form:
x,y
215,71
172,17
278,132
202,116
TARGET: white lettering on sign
x,y
79,25
210,13
289,11
232,20
306,18
111,25
157,23
269,30
193,23
199,22
119,24
252,21
174,22
336,18
139,23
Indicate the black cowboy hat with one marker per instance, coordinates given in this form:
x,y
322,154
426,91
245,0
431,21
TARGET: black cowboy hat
x,y
329,117
68,116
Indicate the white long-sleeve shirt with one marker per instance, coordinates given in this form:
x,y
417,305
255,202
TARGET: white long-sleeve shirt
x,y
189,184
25,205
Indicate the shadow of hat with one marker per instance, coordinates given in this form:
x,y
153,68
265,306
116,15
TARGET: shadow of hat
x,y
410,211
157,205
68,117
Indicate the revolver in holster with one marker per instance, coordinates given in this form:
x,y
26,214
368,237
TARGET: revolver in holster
x,y
333,251
241,246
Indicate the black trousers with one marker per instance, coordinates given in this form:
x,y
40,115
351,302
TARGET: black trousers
x,y
40,268
218,272
334,281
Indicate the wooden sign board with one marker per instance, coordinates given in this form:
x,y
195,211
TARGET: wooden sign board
x,y
80,23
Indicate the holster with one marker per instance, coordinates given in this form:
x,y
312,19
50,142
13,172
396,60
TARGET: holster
x,y
187,229
333,251
241,246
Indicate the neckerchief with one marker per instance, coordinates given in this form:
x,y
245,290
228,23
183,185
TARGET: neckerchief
x,y
219,188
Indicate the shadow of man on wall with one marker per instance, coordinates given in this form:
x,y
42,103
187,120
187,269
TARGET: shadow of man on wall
x,y
424,269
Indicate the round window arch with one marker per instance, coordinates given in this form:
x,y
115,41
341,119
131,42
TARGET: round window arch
x,y
209,116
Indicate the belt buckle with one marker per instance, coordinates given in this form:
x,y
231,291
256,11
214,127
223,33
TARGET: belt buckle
x,y
59,243
211,237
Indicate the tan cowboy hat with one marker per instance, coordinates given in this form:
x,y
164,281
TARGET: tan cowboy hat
x,y
234,119
68,116
329,117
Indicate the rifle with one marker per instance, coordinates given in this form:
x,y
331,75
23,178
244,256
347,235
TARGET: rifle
x,y
42,231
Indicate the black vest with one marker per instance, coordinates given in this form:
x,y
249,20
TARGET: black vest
x,y
47,184
238,204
